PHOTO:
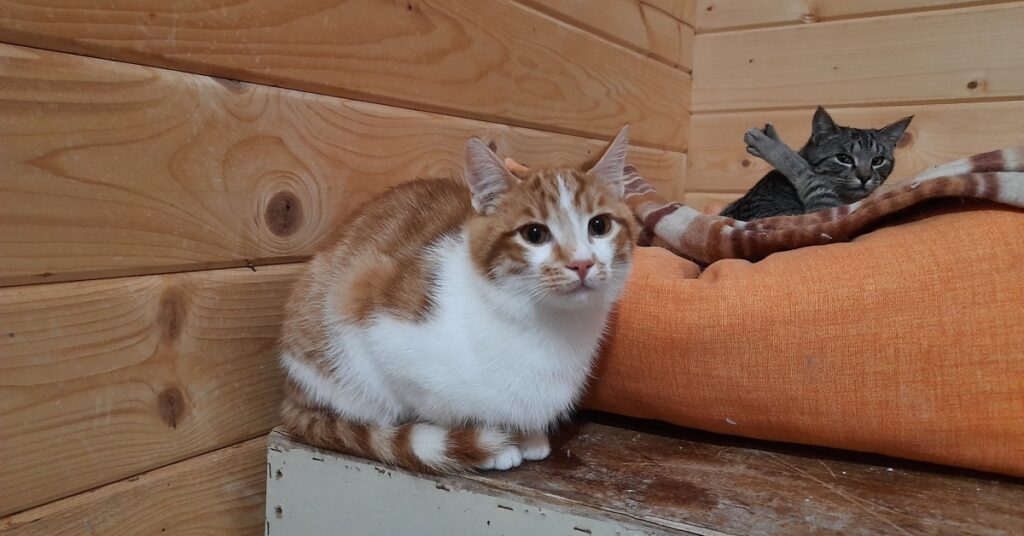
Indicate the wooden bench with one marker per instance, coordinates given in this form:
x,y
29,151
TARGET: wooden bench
x,y
610,476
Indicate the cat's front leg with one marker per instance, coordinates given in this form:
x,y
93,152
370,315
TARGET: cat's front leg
x,y
535,447
812,189
766,145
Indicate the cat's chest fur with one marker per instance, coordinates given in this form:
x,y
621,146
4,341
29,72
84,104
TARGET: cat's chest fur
x,y
480,352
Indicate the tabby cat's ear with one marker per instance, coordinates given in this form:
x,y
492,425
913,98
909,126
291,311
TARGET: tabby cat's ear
x,y
822,124
892,133
610,169
486,176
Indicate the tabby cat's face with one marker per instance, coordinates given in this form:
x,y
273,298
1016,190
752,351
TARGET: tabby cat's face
x,y
859,160
557,237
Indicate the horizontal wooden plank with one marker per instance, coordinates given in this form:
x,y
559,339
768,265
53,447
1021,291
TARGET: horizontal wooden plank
x,y
216,494
709,202
637,24
939,133
114,169
496,60
718,15
917,57
101,380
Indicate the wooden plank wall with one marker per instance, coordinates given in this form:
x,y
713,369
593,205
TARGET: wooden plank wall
x,y
954,65
163,165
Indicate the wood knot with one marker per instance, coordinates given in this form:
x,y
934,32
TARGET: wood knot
x,y
283,214
171,317
973,84
745,162
493,146
171,405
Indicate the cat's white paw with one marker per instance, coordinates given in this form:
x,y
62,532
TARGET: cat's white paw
x,y
505,459
535,447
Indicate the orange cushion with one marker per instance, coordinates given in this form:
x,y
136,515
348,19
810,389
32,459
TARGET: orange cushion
x,y
908,341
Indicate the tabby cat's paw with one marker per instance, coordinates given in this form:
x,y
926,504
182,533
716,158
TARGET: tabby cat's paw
x,y
756,141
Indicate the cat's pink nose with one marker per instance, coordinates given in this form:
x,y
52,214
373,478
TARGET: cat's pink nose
x,y
580,267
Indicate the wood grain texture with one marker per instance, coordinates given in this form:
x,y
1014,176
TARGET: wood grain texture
x,y
703,201
684,10
939,133
112,169
637,24
101,380
678,481
717,15
949,55
494,60
215,494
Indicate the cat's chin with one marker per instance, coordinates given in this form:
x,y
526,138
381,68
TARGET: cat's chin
x,y
576,298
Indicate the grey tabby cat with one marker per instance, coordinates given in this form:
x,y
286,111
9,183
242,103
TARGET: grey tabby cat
x,y
838,165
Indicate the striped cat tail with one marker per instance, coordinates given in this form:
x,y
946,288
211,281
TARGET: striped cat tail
x,y
417,446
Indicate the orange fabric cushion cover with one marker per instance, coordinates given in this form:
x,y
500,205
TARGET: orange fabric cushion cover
x,y
908,341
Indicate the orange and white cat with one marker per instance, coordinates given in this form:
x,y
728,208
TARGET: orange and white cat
x,y
453,324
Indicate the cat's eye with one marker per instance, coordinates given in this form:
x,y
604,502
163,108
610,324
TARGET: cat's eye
x,y
600,225
534,233
878,160
844,159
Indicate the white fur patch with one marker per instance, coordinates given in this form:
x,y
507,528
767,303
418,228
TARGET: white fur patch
x,y
535,447
429,444
505,459
1011,188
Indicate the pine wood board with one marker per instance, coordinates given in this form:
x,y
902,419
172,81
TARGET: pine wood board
x,y
216,494
941,56
638,24
495,60
720,15
702,200
939,133
110,169
102,380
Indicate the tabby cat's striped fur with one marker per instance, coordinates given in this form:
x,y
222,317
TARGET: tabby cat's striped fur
x,y
838,165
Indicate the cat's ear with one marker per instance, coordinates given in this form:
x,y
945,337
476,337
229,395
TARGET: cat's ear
x,y
610,169
486,175
822,124
892,133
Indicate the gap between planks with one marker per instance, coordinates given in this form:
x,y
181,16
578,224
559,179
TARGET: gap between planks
x,y
842,105
853,16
